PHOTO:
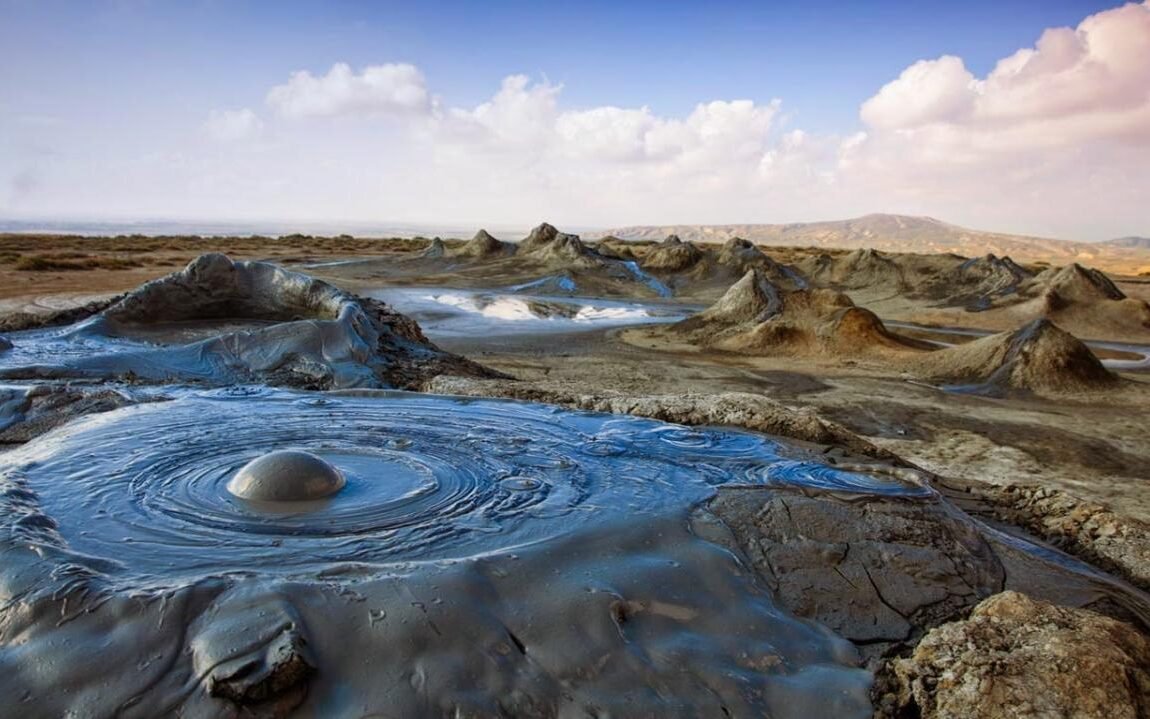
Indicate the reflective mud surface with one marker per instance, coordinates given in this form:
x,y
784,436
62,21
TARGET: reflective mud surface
x,y
428,478
445,312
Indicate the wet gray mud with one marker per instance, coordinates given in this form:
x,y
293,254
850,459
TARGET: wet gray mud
x,y
485,557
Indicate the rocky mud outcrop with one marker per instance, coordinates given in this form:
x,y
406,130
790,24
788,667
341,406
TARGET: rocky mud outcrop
x,y
735,409
16,321
879,572
1029,659
1098,534
29,411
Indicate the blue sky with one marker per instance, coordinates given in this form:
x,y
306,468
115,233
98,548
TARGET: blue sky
x,y
92,85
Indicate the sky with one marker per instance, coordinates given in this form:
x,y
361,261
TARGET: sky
x,y
1026,117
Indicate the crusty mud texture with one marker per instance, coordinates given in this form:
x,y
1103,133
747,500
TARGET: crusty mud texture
x,y
1022,658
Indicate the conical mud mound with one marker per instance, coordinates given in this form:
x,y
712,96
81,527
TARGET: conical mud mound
x,y
483,246
859,269
549,246
434,250
754,298
756,316
672,255
540,236
1039,356
1077,283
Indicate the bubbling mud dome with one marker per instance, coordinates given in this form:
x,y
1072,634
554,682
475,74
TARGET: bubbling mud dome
x,y
199,485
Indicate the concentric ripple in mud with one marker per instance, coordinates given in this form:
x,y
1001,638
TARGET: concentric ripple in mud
x,y
428,478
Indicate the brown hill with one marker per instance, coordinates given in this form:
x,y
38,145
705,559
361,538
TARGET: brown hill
x,y
1081,299
757,317
702,271
860,269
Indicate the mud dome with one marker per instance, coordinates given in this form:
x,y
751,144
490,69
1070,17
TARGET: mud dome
x,y
489,557
221,322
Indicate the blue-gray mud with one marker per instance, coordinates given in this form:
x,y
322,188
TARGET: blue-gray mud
x,y
485,557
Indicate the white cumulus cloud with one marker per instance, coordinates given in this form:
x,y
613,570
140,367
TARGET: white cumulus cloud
x,y
377,89
1092,82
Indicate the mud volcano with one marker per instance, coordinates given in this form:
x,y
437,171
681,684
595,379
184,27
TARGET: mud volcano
x,y
484,557
220,322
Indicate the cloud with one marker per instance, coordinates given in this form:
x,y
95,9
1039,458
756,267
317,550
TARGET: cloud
x,y
928,91
526,117
233,125
1075,85
378,89
519,116
1055,138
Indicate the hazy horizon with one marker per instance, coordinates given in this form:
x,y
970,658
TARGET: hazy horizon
x,y
381,228
1021,118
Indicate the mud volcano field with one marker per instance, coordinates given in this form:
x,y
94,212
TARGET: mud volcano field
x,y
554,478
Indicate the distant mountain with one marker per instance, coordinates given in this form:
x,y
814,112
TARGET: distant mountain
x,y
1138,243
902,233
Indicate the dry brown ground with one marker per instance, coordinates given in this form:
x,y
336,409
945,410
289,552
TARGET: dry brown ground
x,y
41,266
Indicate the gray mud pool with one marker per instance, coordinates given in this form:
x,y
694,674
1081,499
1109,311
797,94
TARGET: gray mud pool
x,y
505,556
